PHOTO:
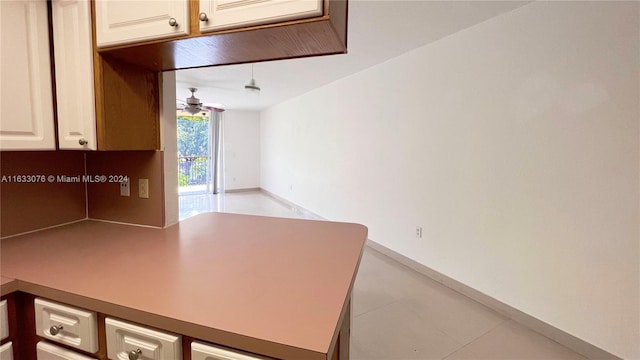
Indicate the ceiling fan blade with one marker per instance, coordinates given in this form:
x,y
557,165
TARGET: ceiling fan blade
x,y
214,106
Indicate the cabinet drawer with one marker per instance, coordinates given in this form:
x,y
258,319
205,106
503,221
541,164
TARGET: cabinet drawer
x,y
46,351
124,338
4,320
200,351
67,325
6,351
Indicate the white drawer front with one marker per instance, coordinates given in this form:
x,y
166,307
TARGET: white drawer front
x,y
6,351
200,351
4,320
123,338
46,351
79,327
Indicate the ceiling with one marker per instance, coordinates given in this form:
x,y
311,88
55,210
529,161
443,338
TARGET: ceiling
x,y
378,31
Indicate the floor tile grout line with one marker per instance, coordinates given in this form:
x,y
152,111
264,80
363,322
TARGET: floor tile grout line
x,y
378,308
478,338
462,345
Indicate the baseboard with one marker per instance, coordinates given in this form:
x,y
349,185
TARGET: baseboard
x,y
578,345
42,229
241,190
295,207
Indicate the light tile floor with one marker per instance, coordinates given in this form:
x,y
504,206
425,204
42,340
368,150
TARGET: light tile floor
x,y
250,203
399,314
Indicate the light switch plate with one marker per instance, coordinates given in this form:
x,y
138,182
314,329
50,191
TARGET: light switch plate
x,y
143,188
124,187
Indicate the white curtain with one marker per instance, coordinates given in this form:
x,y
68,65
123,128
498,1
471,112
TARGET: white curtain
x,y
215,183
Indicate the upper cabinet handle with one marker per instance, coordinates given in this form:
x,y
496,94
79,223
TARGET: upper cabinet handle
x,y
203,17
173,22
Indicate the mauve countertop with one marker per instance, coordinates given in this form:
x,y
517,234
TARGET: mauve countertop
x,y
268,285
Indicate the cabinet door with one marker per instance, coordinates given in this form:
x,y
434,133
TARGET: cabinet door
x,y
47,351
126,340
4,320
67,325
226,14
6,351
200,351
124,22
73,53
26,100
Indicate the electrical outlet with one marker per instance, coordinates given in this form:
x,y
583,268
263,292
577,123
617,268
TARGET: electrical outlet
x,y
124,187
143,188
419,232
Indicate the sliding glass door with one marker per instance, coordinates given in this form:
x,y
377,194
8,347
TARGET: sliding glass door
x,y
200,152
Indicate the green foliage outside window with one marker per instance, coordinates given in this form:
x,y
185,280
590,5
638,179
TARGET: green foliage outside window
x,y
193,149
193,135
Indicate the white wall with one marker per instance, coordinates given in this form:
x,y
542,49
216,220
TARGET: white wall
x,y
169,137
241,149
514,144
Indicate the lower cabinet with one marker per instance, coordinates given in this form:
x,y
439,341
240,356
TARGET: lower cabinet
x,y
67,325
46,351
201,351
8,333
4,320
133,342
56,331
6,351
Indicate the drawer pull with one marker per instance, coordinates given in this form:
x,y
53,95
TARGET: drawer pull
x,y
135,354
55,329
173,22
203,17
83,142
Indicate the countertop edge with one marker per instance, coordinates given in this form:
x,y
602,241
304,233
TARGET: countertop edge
x,y
8,285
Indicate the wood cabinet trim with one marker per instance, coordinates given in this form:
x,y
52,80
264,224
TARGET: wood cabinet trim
x,y
323,35
127,99
194,28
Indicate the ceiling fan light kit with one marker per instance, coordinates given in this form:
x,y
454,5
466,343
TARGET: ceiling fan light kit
x,y
193,105
252,86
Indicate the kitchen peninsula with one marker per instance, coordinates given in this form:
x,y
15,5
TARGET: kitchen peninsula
x,y
272,287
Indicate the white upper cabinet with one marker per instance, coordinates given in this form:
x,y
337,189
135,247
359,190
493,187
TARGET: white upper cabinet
x,y
227,14
26,99
124,22
74,74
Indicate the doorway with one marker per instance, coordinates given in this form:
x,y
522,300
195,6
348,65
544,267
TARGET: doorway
x,y
194,147
200,160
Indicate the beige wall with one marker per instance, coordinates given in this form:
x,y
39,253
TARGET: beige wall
x,y
514,144
104,200
32,206
27,206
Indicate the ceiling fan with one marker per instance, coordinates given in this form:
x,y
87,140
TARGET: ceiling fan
x,y
193,104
